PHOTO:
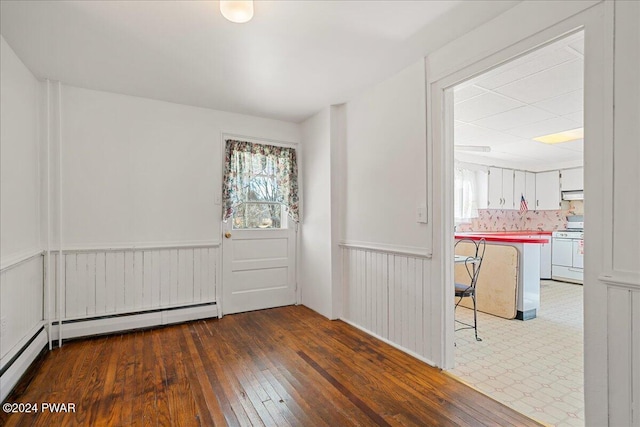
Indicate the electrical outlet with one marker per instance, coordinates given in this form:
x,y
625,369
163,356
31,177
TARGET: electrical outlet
x,y
3,326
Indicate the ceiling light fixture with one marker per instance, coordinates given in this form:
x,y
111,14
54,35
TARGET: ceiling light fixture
x,y
566,136
474,148
238,11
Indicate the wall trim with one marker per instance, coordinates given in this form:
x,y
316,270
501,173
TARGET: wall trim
x,y
391,343
20,258
385,248
621,279
28,353
119,247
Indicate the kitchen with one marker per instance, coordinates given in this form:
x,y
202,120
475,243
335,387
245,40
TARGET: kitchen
x,y
519,184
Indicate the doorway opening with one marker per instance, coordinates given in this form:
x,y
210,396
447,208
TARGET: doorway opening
x,y
518,184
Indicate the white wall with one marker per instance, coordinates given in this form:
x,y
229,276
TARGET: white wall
x,y
315,237
21,293
144,172
612,342
19,150
385,158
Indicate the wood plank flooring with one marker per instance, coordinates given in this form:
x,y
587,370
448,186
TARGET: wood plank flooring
x,y
281,367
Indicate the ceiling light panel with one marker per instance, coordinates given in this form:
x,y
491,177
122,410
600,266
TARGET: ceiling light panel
x,y
560,137
545,127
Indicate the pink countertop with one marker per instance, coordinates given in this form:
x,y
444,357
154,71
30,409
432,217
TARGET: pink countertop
x,y
538,237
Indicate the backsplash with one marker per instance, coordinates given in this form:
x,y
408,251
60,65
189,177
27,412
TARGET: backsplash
x,y
512,220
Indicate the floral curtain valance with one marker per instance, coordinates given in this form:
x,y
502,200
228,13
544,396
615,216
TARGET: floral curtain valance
x,y
261,173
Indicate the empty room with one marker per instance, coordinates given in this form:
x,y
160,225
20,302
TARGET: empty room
x,y
243,212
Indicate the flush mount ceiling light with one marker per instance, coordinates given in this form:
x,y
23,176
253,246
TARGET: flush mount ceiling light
x,y
238,11
566,136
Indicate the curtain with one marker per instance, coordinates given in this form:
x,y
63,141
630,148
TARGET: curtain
x,y
262,173
465,193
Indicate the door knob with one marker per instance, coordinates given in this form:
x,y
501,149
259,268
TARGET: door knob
x,y
227,235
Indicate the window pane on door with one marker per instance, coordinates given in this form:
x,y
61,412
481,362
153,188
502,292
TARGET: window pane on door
x,y
258,215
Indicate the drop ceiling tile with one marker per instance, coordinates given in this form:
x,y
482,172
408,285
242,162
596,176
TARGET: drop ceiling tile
x,y
566,103
467,92
513,118
476,135
577,145
577,117
525,67
539,151
484,105
545,127
546,84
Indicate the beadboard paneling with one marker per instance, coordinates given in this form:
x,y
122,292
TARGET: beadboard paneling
x,y
21,302
624,355
386,294
105,282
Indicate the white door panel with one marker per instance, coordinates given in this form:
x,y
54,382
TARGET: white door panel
x,y
258,269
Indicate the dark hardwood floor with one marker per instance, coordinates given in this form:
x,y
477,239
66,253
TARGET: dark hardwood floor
x,y
281,367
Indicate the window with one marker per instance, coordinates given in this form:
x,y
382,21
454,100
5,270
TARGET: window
x,y
260,185
465,195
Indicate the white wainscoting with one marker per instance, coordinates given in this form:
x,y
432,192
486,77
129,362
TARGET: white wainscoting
x,y
623,331
102,282
386,294
21,303
21,313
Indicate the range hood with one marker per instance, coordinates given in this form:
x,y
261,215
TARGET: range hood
x,y
573,195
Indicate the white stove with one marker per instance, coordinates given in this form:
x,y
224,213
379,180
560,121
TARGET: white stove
x,y
567,253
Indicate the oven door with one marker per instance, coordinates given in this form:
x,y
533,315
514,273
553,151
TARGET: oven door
x,y
562,252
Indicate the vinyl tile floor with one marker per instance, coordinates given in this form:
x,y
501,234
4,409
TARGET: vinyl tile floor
x,y
536,366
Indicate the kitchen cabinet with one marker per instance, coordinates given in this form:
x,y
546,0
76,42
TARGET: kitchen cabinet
x,y
519,186
501,189
572,179
530,189
547,191
524,184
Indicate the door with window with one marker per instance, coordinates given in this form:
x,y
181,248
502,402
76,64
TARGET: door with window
x,y
260,205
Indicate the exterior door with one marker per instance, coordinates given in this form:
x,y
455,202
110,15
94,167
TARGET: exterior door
x,y
259,237
258,268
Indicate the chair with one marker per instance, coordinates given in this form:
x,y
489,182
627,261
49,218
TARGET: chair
x,y
472,264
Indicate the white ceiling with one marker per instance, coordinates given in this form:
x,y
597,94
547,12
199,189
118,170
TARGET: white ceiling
x,y
537,94
291,60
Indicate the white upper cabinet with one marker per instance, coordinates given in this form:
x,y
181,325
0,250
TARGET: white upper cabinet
x,y
501,189
547,191
519,187
530,190
572,179
524,184
507,189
